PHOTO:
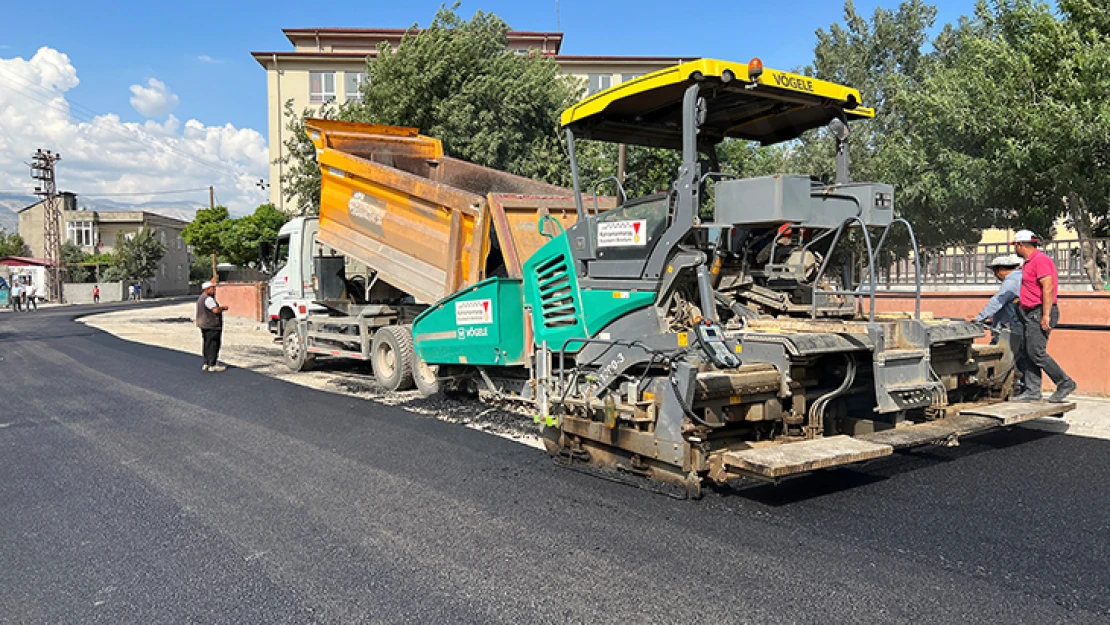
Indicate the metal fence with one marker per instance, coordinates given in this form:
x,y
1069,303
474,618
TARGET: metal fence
x,y
967,265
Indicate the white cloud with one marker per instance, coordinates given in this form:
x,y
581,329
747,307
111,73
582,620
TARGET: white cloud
x,y
154,100
204,58
102,154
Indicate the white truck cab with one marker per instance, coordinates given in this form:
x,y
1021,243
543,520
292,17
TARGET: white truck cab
x,y
292,290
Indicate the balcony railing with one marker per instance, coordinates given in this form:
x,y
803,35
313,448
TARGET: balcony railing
x,y
967,265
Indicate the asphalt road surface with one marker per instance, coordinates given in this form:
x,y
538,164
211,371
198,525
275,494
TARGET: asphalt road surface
x,y
135,488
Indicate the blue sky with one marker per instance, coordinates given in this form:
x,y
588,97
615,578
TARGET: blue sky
x,y
113,48
200,52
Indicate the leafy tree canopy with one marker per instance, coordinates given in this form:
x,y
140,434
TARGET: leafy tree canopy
x,y
240,239
204,231
11,244
72,255
233,239
136,257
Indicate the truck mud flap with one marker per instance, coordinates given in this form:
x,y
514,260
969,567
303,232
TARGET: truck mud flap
x,y
778,461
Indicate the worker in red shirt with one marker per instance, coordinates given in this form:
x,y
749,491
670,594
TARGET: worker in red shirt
x,y
1039,313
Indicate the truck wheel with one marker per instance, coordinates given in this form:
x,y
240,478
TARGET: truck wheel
x,y
426,377
294,349
391,355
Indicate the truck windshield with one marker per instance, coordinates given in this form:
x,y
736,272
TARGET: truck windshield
x,y
281,253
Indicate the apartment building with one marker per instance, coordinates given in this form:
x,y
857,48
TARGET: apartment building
x,y
329,65
97,231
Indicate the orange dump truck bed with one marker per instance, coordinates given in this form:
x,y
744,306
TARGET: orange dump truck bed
x,y
390,199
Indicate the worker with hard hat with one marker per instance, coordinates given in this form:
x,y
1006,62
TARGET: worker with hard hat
x,y
1039,314
1001,310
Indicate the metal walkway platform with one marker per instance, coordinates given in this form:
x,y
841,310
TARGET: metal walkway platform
x,y
782,460
971,419
778,461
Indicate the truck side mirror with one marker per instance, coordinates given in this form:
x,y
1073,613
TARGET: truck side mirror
x,y
265,253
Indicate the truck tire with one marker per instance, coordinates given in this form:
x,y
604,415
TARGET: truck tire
x,y
391,355
426,377
294,350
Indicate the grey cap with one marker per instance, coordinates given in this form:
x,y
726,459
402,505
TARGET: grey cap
x,y
1009,260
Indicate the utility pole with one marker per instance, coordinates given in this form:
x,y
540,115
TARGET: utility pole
x,y
211,196
42,171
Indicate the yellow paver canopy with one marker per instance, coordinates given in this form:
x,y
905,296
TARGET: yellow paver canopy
x,y
769,107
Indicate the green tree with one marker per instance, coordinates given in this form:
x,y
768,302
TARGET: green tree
x,y
204,231
885,58
11,244
137,257
113,273
72,255
1013,117
300,179
455,81
240,240
200,270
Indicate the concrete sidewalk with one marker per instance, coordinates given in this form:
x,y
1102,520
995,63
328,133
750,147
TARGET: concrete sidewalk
x,y
1091,417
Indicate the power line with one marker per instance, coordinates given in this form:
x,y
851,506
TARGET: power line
x,y
169,192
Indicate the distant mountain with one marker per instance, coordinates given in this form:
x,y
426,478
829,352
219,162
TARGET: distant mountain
x,y
9,209
11,204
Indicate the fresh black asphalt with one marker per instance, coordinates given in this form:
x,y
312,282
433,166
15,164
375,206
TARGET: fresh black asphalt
x,y
135,488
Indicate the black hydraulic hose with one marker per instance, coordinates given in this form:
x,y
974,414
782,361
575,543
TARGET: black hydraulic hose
x,y
818,407
690,413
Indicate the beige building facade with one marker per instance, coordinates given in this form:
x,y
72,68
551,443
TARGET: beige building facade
x,y
96,232
329,65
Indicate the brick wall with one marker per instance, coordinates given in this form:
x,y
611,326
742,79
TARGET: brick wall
x,y
244,299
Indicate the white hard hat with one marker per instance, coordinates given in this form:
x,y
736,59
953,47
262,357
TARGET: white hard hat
x,y
1009,260
1025,236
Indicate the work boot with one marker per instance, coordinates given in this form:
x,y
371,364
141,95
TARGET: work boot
x,y
1067,387
217,367
1027,396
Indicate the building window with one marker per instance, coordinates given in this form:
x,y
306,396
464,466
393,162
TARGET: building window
x,y
80,233
162,237
628,77
352,84
521,51
599,82
321,87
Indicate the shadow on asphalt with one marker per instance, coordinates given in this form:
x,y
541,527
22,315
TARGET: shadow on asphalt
x,y
832,481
